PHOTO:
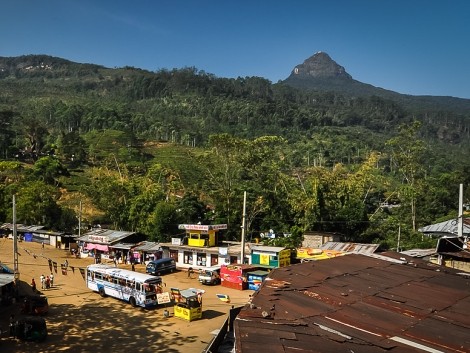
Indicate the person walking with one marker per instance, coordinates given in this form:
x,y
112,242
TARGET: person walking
x,y
51,278
33,285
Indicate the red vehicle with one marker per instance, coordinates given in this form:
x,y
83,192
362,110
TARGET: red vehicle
x,y
35,305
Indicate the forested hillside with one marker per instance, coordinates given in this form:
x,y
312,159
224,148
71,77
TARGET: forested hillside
x,y
144,151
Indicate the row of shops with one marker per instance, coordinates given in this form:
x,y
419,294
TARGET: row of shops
x,y
200,247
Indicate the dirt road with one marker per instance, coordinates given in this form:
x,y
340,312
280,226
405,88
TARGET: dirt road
x,y
79,320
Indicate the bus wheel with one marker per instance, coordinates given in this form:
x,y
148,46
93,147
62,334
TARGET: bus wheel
x,y
132,301
102,293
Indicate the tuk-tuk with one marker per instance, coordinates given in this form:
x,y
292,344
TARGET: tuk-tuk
x,y
35,305
29,328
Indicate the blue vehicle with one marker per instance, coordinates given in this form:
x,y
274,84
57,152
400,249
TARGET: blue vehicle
x,y
161,266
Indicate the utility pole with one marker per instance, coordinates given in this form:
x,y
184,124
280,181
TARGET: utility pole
x,y
243,229
399,234
80,219
16,270
460,219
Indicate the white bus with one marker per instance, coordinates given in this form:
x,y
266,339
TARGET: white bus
x,y
138,289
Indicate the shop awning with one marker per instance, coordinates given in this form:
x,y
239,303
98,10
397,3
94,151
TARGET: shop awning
x,y
100,247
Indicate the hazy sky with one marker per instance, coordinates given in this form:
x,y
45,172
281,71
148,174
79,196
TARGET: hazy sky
x,y
419,47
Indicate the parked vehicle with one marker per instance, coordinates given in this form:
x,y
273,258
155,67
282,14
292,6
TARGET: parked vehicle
x,y
161,266
210,275
29,328
35,305
136,288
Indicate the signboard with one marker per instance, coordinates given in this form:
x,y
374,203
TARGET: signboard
x,y
163,298
98,238
176,241
203,227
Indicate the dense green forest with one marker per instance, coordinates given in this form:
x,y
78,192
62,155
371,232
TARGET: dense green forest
x,y
145,151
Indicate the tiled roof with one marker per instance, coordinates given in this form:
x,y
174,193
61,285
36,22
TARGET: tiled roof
x,y
357,303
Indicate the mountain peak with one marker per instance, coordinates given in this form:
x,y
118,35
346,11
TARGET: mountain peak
x,y
320,65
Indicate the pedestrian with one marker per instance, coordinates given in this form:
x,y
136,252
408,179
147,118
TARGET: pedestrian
x,y
115,261
42,244
51,277
66,264
190,272
48,282
33,285
43,281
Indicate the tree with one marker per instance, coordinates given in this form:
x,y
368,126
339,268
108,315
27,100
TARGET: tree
x,y
406,152
165,222
72,148
49,169
37,204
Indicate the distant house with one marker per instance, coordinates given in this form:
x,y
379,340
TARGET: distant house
x,y
106,242
270,256
201,247
38,234
315,240
446,228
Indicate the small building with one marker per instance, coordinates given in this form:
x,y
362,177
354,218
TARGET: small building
x,y
270,256
236,276
201,247
187,256
8,290
149,251
315,240
256,278
453,252
446,228
104,242
202,235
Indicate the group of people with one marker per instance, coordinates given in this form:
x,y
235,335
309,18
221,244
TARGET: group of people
x,y
46,282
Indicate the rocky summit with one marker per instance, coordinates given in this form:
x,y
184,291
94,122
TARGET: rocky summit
x,y
320,65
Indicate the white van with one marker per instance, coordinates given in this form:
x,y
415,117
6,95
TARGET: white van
x,y
210,275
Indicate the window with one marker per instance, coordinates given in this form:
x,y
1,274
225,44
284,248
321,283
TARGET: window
x,y
188,258
201,259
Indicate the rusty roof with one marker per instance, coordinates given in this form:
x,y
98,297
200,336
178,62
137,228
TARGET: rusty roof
x,y
358,303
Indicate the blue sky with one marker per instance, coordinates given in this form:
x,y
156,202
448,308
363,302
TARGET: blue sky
x,y
418,47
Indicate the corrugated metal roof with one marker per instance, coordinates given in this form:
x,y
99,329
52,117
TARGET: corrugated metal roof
x,y
450,226
112,236
6,278
21,227
356,248
419,252
358,303
265,248
148,246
